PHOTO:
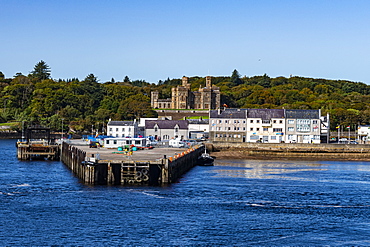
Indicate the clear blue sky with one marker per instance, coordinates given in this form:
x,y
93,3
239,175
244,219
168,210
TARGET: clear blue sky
x,y
155,39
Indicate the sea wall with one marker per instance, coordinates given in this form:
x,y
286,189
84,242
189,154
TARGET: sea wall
x,y
290,151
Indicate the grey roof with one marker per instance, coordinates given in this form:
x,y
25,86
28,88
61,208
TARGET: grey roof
x,y
265,114
198,121
228,113
121,123
302,114
166,124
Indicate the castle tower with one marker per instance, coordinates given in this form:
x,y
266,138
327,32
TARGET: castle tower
x,y
208,82
185,82
154,99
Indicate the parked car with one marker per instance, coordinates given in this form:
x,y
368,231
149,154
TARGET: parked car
x,y
176,143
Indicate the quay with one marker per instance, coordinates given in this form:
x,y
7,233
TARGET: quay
x,y
158,166
293,151
38,144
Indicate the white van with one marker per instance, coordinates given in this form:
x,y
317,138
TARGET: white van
x,y
176,143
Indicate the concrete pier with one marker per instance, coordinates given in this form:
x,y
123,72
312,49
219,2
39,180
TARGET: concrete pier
x,y
156,166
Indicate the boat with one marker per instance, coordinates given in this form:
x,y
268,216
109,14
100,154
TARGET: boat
x,y
205,159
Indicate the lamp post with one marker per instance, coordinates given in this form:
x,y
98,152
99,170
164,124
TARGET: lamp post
x,y
62,129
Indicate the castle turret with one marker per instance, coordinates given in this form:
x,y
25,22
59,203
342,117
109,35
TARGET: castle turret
x,y
208,82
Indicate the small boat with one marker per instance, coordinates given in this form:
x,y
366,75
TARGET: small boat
x,y
205,159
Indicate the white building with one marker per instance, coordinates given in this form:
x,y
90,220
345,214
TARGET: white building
x,y
265,125
364,133
303,126
122,129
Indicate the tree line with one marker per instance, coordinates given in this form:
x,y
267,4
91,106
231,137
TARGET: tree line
x,y
79,104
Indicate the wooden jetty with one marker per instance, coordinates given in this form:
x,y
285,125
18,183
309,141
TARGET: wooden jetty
x,y
151,167
38,145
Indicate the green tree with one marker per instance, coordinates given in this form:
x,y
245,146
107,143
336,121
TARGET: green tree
x,y
235,78
41,71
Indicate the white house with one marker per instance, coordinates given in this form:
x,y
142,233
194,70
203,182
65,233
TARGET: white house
x,y
122,129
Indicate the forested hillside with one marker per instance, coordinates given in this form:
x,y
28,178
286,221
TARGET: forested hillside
x,y
41,99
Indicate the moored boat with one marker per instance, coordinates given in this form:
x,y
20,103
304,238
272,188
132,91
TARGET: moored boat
x,y
205,159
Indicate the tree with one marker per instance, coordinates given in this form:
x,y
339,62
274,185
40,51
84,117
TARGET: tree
x,y
41,71
235,78
126,79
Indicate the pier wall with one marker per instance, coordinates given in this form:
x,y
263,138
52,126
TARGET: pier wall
x,y
291,151
92,170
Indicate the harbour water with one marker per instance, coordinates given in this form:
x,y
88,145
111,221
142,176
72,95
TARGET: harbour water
x,y
234,203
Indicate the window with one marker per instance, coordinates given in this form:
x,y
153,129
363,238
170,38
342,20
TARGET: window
x,y
290,121
273,137
265,129
219,121
258,129
123,135
107,141
266,121
176,130
116,135
235,121
314,121
123,129
251,121
226,121
274,121
303,125
277,130
229,128
137,142
244,121
290,137
254,137
116,129
291,129
316,137
110,129
306,137
155,129
114,141
281,121
258,121
243,128
166,137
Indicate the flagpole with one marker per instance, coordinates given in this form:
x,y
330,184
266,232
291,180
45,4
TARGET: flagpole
x,y
338,133
349,134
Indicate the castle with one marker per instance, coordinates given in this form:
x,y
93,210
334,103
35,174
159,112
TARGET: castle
x,y
207,97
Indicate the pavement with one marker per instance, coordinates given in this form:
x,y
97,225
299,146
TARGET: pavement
x,y
139,155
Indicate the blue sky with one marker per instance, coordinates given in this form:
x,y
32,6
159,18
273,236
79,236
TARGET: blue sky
x,y
154,40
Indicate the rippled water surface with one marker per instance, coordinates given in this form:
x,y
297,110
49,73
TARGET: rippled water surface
x,y
234,203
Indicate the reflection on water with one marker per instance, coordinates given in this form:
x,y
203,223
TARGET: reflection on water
x,y
286,170
266,169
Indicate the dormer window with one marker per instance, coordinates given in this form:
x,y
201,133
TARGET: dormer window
x,y
155,129
176,130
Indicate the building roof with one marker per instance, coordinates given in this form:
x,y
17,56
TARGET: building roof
x,y
302,114
198,121
265,114
121,123
228,113
166,124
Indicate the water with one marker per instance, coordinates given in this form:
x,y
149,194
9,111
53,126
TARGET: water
x,y
234,203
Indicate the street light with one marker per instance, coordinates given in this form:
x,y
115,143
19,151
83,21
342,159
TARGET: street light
x,y
62,129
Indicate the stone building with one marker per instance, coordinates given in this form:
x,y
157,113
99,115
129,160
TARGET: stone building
x,y
207,97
